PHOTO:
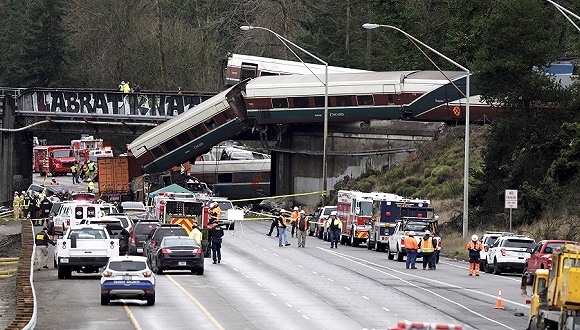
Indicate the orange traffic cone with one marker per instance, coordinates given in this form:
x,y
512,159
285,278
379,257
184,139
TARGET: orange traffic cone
x,y
499,304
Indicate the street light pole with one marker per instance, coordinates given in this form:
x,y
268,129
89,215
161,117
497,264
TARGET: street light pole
x,y
466,151
325,83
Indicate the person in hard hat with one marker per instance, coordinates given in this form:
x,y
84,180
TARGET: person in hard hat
x,y
54,182
334,227
282,224
26,202
427,248
411,247
214,211
293,218
90,186
435,255
302,226
474,247
195,233
74,170
16,205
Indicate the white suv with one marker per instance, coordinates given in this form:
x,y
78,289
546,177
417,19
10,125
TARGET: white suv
x,y
487,241
509,253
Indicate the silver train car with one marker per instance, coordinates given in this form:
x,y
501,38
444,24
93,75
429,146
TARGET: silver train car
x,y
192,133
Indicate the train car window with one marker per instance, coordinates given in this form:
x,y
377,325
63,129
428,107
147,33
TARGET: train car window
x,y
198,130
225,177
300,102
158,152
280,103
170,145
365,100
249,70
220,118
210,124
390,98
184,138
266,73
343,101
319,101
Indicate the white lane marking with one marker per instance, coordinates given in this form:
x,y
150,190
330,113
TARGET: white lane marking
x,y
385,308
331,280
367,263
259,284
315,273
306,317
346,287
300,266
367,298
272,293
265,249
287,304
483,273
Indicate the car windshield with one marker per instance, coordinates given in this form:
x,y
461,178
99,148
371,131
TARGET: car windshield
x,y
88,233
552,246
143,229
132,206
225,205
124,221
127,265
170,232
328,210
179,241
518,243
418,226
63,153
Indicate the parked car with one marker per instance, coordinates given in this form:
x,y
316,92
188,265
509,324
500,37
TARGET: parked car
x,y
157,234
541,257
487,241
127,277
131,207
115,228
125,220
178,252
509,253
139,236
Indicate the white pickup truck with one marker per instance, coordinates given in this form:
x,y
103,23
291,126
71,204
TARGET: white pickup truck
x,y
84,249
396,246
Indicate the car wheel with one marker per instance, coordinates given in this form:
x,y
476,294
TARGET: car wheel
x,y
60,273
151,300
496,269
399,255
54,263
200,271
487,268
390,255
232,226
105,300
378,247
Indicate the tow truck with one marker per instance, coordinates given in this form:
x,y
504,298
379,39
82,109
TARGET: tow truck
x,y
555,301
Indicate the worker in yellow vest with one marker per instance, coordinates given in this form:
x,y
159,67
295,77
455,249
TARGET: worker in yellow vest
x,y
426,248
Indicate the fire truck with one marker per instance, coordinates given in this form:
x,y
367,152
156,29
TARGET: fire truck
x,y
183,209
388,209
55,160
82,148
355,210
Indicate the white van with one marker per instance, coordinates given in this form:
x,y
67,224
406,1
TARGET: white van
x,y
71,213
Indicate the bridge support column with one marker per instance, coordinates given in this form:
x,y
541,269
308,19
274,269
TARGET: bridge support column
x,y
15,153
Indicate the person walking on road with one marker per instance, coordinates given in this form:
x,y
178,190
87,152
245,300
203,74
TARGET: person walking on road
x,y
195,233
302,226
427,249
282,237
293,218
274,224
41,241
334,227
411,247
74,170
474,246
215,235
90,186
435,255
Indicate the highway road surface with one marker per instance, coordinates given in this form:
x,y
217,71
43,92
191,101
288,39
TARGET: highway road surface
x,y
260,285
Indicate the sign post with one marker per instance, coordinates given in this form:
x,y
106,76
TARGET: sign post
x,y
511,202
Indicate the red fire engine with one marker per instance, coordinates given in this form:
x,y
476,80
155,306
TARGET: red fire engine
x,y
355,210
56,160
83,147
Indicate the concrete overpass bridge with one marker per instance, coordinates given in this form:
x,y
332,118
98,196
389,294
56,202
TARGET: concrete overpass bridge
x,y
353,148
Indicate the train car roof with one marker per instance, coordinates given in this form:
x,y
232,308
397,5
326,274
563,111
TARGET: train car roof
x,y
363,83
170,124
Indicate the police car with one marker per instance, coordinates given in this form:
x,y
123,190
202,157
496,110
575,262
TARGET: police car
x,y
127,277
508,254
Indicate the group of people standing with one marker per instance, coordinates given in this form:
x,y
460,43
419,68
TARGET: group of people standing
x,y
298,222
428,246
31,205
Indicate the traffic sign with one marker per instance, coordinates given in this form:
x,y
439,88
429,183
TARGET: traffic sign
x,y
511,199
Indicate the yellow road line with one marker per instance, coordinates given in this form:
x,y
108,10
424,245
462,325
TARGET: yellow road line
x,y
132,317
219,326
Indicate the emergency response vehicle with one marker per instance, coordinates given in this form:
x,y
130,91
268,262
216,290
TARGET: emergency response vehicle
x,y
82,148
387,209
183,209
55,159
418,219
355,210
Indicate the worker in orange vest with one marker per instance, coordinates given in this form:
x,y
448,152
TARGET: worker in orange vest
x,y
293,218
474,247
411,246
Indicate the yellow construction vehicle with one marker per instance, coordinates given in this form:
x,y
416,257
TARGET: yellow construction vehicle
x,y
555,302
